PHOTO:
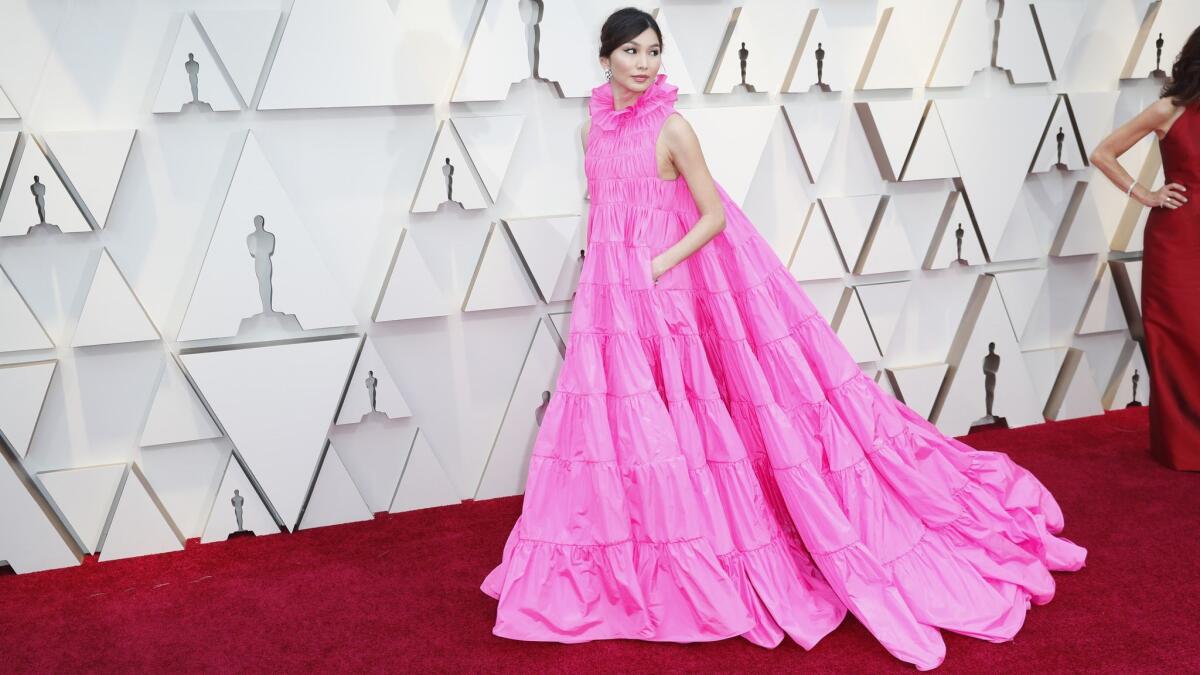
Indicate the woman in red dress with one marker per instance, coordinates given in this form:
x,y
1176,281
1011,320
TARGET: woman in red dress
x,y
1171,257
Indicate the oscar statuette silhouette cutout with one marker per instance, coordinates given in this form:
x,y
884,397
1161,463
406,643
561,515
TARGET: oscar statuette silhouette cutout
x,y
448,175
38,189
991,368
261,245
1135,403
1059,138
237,501
820,85
192,66
1158,49
743,58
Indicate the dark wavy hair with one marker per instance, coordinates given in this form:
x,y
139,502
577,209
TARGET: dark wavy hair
x,y
1184,85
622,26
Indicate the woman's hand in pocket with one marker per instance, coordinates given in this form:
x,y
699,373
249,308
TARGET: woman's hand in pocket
x,y
658,267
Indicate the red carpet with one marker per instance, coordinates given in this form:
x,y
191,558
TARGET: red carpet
x,y
401,593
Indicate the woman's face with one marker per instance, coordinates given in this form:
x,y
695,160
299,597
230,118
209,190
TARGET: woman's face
x,y
635,64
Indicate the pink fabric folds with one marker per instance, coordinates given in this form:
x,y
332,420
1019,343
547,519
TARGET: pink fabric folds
x,y
713,462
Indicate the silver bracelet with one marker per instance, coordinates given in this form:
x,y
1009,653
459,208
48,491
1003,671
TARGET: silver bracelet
x,y
1129,192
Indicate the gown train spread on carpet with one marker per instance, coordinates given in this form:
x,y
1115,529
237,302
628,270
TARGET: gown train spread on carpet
x,y
714,463
1170,286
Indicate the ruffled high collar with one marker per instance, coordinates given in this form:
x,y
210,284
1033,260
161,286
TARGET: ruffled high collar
x,y
659,93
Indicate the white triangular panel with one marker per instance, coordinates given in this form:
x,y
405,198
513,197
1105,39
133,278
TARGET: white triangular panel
x,y
1133,270
733,140
242,38
176,415
931,155
490,141
892,127
1072,155
111,312
335,499
993,140
20,207
1020,290
850,220
186,477
1077,396
814,124
550,247
854,331
226,291
968,47
963,402
498,55
1018,47
23,388
389,401
816,255
1175,20
1021,240
884,305
84,497
499,281
93,162
276,402
7,111
20,330
508,461
944,247
31,539
461,183
140,525
1081,231
845,45
888,248
918,386
424,482
1060,21
912,36
825,296
1044,366
1095,115
222,518
175,89
767,58
562,325
368,53
410,291
1103,311
673,62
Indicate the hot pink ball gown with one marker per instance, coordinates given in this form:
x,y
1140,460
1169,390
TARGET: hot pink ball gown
x,y
713,462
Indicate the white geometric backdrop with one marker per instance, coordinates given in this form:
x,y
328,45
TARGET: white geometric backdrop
x,y
421,201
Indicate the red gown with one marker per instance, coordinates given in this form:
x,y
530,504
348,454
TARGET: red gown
x,y
1171,303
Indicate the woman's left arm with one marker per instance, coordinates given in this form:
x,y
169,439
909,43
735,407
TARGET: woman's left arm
x,y
684,148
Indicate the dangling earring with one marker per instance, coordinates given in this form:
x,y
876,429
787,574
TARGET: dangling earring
x,y
607,74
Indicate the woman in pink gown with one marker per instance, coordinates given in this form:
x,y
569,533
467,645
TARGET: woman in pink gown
x,y
713,462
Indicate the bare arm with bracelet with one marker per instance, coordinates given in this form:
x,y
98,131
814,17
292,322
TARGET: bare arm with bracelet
x,y
1156,118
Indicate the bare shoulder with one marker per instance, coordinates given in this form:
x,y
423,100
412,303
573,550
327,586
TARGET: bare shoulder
x,y
1162,115
1164,107
677,126
678,135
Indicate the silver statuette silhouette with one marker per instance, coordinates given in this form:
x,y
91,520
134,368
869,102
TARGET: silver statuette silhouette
x,y
261,246
192,66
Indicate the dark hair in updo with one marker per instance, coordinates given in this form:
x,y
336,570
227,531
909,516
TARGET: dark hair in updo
x,y
622,26
1184,85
